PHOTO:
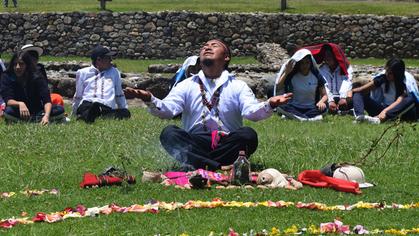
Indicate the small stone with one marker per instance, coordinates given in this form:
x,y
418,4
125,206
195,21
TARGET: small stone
x,y
150,27
213,19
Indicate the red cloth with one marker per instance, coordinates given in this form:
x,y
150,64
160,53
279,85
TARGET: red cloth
x,y
316,178
91,180
318,54
57,99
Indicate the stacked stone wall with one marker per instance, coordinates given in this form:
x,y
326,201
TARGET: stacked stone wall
x,y
180,34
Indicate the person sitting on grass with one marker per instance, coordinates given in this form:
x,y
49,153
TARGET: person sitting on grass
x,y
99,89
213,104
337,71
26,93
302,77
391,94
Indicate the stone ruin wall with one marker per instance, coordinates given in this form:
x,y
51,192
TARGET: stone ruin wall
x,y
180,34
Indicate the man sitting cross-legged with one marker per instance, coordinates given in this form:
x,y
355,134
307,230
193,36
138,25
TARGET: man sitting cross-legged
x,y
99,89
213,104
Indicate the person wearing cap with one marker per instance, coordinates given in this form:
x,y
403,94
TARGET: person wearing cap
x,y
391,94
35,53
99,89
26,93
213,104
302,77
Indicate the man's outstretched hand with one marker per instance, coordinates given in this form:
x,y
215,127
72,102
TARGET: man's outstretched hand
x,y
280,100
137,93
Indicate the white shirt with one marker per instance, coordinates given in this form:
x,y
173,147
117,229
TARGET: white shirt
x,y
339,84
104,87
236,101
304,89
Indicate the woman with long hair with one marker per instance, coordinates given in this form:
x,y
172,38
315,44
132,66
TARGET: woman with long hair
x,y
390,95
302,77
26,94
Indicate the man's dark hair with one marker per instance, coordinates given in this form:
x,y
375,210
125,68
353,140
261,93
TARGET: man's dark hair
x,y
227,51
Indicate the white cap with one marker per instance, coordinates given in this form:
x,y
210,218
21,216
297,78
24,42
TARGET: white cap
x,y
31,47
353,174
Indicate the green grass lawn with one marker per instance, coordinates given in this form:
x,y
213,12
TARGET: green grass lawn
x,y
56,156
379,7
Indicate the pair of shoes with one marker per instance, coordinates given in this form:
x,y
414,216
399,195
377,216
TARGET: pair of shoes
x,y
369,119
316,118
289,115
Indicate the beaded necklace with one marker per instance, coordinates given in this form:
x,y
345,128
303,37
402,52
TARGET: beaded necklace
x,y
210,105
98,76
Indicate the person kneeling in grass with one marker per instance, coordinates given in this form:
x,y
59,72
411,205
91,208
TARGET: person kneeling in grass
x,y
302,77
26,93
213,104
99,89
391,94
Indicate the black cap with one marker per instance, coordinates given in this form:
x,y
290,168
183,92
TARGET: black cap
x,y
100,51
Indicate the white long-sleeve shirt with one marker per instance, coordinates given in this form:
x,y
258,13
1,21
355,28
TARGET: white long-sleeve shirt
x,y
338,84
236,101
104,87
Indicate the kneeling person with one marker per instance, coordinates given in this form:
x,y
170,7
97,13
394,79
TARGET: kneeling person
x,y
99,89
213,104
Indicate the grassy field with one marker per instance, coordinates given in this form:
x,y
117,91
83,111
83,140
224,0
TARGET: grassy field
x,y
379,7
56,156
